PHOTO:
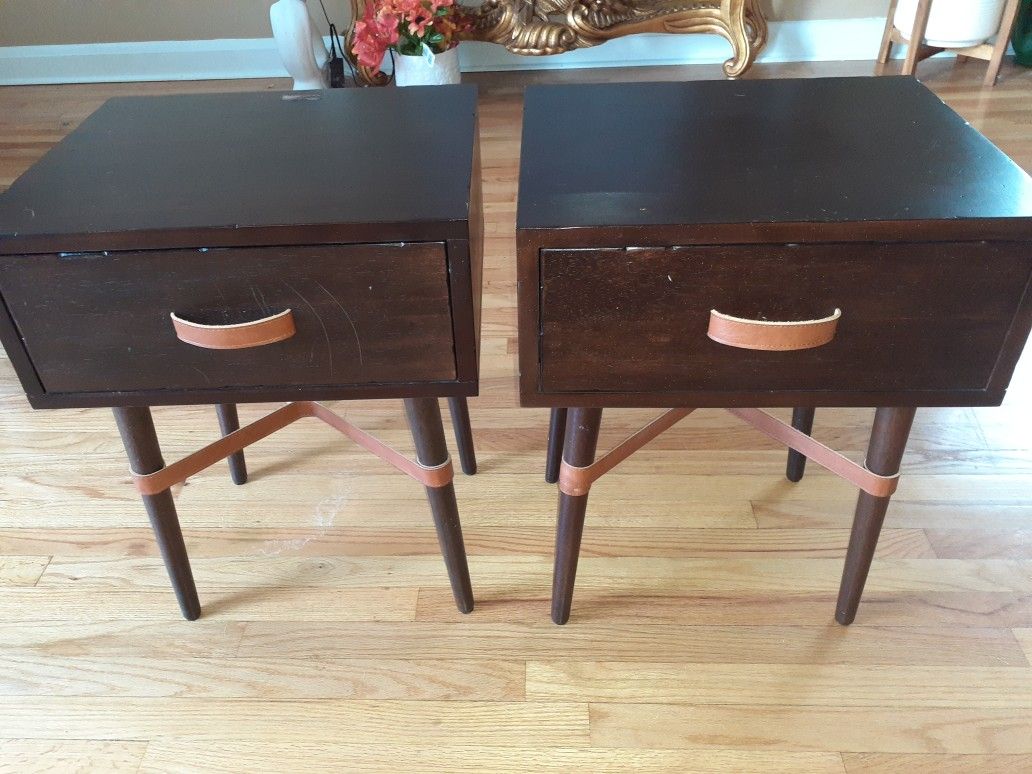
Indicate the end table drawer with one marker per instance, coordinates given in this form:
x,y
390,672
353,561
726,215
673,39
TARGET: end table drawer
x,y
359,314
913,316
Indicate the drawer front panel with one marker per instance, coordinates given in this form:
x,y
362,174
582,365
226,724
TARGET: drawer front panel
x,y
363,314
913,316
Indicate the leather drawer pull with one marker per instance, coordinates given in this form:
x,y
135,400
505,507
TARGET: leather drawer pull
x,y
773,336
268,330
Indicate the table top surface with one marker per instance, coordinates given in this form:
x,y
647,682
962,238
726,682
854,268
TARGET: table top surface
x,y
230,161
771,151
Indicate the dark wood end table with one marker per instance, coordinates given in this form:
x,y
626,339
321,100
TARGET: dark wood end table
x,y
250,247
802,243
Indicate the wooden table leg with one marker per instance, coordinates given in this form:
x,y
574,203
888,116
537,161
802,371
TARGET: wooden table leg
x,y
141,446
802,420
579,450
459,410
884,453
885,50
556,435
424,417
1010,13
230,422
914,46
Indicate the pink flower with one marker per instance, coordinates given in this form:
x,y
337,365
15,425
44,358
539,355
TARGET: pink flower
x,y
417,25
408,23
374,34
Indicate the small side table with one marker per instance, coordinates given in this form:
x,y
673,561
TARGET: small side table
x,y
809,257
230,248
917,49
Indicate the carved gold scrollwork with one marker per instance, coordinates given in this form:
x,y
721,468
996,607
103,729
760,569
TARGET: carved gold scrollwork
x,y
542,27
522,27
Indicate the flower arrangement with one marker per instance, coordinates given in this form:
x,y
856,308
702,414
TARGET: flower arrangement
x,y
407,26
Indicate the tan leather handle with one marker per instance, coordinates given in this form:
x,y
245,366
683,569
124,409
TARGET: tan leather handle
x,y
773,336
268,330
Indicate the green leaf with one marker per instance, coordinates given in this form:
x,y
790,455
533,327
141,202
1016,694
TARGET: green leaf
x,y
409,46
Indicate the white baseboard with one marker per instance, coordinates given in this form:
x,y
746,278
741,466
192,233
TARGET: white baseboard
x,y
172,60
162,60
798,41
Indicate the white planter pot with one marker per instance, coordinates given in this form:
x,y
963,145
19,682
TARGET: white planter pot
x,y
415,71
953,23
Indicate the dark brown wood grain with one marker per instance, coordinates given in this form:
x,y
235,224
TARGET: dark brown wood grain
x,y
475,244
459,410
884,454
579,450
465,309
227,209
754,176
149,172
229,421
364,314
531,243
811,150
223,206
141,447
899,331
556,437
802,420
644,207
424,418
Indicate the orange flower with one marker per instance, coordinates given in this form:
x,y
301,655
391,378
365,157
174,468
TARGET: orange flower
x,y
407,26
374,34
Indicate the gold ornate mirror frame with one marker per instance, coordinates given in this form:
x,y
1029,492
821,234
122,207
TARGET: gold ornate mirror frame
x,y
540,27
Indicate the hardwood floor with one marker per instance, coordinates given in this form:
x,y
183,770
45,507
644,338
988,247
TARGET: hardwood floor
x,y
702,638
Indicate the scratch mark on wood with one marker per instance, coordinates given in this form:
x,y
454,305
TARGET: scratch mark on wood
x,y
259,304
326,333
333,298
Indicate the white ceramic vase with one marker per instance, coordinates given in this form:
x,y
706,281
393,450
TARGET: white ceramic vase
x,y
416,71
953,23
300,46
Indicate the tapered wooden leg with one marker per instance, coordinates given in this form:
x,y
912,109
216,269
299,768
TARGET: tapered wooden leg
x,y
802,420
141,446
886,43
914,46
884,452
579,450
424,417
556,435
459,410
230,422
1010,13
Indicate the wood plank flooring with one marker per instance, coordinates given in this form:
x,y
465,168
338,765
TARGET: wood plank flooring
x,y
702,636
